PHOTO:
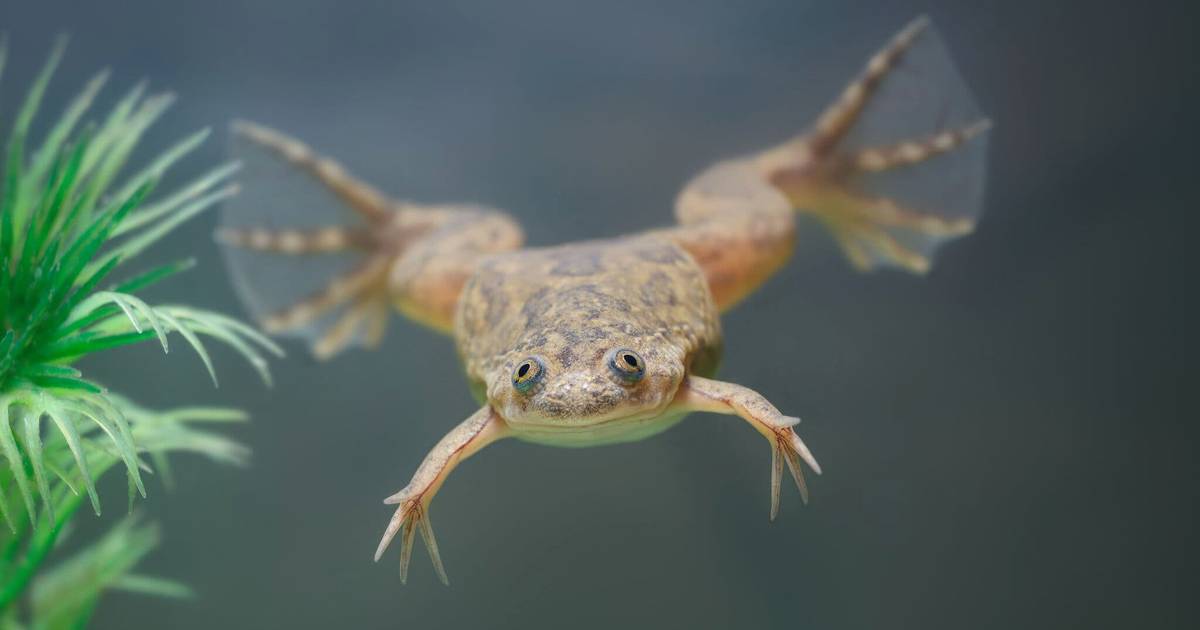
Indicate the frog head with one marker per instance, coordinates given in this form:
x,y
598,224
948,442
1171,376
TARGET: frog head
x,y
584,377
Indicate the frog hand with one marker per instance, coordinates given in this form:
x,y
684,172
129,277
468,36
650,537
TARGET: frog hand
x,y
702,394
411,516
786,446
482,428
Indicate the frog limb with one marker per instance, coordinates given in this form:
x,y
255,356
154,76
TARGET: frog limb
x,y
417,257
364,199
819,176
482,428
736,217
838,119
702,394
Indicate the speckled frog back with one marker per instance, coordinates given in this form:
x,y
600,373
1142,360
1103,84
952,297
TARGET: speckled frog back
x,y
565,302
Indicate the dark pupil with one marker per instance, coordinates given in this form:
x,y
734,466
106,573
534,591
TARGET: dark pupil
x,y
631,360
523,370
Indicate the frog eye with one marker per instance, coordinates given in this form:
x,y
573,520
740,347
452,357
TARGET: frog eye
x,y
627,364
527,374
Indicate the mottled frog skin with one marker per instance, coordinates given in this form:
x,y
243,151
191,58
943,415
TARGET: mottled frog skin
x,y
570,307
606,341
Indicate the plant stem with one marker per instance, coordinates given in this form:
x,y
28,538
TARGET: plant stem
x,y
43,541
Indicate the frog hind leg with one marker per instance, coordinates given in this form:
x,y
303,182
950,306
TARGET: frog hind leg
x,y
894,168
333,282
834,172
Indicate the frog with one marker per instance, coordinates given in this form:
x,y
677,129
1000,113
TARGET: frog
x,y
611,340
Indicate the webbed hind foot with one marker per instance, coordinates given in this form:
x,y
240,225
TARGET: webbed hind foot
x,y
820,174
872,229
408,255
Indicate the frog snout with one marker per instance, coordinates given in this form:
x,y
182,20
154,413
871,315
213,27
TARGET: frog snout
x,y
577,396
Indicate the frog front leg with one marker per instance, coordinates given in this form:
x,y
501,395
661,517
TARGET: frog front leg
x,y
702,394
482,428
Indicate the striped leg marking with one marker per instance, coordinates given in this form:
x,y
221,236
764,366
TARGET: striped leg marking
x,y
325,240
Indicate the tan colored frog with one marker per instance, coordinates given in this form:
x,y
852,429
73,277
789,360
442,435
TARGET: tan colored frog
x,y
612,340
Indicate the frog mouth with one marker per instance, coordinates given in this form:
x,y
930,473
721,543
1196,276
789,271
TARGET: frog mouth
x,y
556,415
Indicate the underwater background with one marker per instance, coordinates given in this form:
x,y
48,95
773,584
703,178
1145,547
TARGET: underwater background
x,y
1005,442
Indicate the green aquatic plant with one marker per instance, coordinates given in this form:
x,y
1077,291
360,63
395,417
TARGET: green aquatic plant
x,y
71,222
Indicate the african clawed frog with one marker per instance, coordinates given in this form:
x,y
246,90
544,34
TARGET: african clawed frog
x,y
611,340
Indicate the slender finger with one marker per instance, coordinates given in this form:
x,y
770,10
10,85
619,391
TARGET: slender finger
x,y
776,480
431,545
390,532
793,463
406,547
802,449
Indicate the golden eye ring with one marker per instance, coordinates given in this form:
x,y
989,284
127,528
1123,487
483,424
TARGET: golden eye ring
x,y
627,364
527,374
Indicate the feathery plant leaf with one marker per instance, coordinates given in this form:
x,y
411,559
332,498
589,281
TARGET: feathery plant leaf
x,y
66,595
57,249
69,287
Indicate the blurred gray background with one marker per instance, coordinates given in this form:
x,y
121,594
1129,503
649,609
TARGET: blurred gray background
x,y
1006,442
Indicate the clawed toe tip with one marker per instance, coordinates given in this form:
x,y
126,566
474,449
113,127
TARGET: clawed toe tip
x,y
383,545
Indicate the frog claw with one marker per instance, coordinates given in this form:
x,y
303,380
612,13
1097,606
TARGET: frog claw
x,y
411,516
787,447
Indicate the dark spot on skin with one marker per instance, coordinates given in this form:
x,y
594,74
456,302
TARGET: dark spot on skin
x,y
598,334
566,356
